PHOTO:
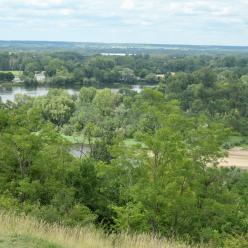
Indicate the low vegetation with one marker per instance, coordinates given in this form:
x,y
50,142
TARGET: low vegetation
x,y
16,231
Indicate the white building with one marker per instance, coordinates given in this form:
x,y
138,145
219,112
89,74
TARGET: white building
x,y
40,76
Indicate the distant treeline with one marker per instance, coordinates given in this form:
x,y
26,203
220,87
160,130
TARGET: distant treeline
x,y
73,68
89,48
209,84
6,76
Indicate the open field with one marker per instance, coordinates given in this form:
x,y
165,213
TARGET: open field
x,y
237,156
15,73
25,232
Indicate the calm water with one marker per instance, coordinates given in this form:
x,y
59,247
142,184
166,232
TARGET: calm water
x,y
79,151
8,93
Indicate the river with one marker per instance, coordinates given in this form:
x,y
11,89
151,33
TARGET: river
x,y
8,93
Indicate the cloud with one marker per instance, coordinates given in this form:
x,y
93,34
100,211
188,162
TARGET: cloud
x,y
128,4
156,21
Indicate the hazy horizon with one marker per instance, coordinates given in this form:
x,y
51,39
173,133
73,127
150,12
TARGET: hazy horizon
x,y
123,43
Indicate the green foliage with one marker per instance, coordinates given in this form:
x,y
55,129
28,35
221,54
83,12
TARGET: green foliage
x,y
167,178
6,76
237,242
57,107
151,158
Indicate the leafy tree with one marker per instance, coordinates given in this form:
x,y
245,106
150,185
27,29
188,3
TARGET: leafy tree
x,y
57,107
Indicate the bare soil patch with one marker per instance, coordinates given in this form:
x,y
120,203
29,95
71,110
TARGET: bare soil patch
x,y
237,157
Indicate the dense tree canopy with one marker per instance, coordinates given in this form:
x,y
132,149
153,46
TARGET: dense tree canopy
x,y
135,162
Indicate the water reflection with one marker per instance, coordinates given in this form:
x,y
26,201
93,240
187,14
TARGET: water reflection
x,y
8,93
80,151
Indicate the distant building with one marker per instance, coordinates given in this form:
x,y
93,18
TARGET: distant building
x,y
117,54
17,80
40,76
160,76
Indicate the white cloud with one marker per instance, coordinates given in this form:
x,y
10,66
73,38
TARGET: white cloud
x,y
128,4
184,21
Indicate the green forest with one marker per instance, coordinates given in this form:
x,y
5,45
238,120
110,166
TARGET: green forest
x,y
125,161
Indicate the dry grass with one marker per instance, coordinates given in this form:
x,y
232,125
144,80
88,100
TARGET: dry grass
x,y
77,237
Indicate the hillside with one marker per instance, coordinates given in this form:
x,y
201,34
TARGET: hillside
x,y
25,232
25,241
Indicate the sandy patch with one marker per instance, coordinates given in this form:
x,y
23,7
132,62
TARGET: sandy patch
x,y
237,157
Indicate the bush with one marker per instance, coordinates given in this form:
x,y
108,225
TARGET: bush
x,y
236,242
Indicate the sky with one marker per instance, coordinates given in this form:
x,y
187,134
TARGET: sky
x,y
203,22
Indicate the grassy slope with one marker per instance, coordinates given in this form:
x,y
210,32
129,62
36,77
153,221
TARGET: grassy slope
x,y
21,241
25,232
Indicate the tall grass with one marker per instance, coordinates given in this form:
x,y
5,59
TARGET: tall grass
x,y
77,237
